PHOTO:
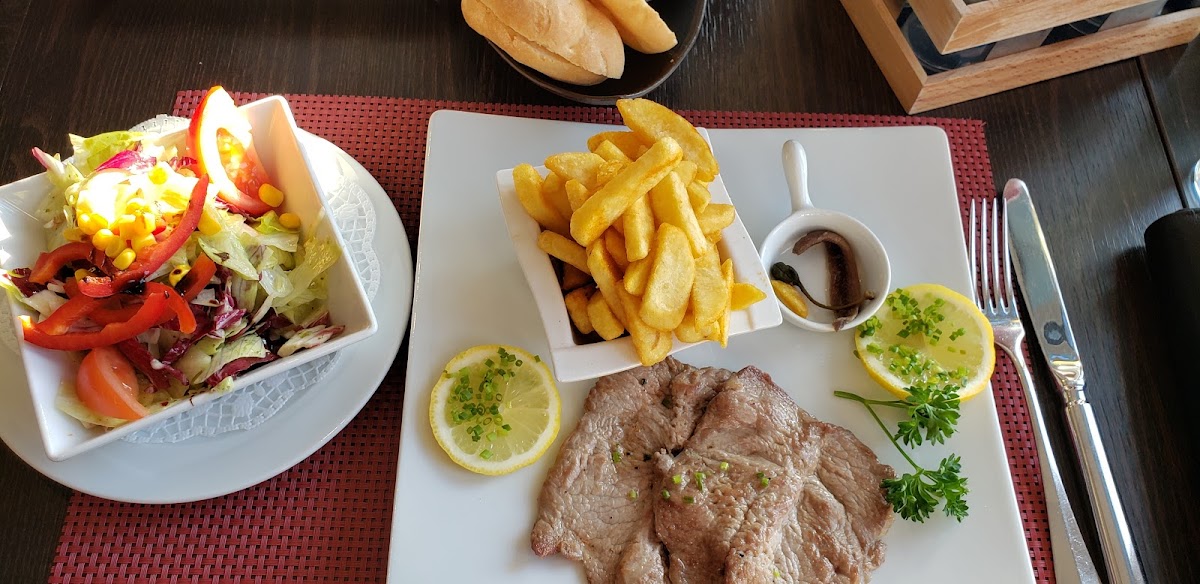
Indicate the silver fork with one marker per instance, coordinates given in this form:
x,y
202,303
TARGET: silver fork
x,y
996,299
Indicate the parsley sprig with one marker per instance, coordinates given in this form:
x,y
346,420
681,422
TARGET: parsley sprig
x,y
932,416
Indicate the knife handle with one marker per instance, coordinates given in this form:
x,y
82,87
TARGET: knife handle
x,y
1119,554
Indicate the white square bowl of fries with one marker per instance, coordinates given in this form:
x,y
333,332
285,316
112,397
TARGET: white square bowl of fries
x,y
633,249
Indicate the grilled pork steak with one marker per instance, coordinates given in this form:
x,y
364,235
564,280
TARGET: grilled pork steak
x,y
796,500
597,507
799,500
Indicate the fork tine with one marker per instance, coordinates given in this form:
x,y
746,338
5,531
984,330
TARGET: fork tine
x,y
1010,296
997,243
985,298
971,253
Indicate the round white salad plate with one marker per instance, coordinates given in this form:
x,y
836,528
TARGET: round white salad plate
x,y
205,467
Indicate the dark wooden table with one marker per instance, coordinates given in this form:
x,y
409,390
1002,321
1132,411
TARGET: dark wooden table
x,y
1105,152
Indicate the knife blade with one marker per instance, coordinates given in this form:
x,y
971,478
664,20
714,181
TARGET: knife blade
x,y
1043,299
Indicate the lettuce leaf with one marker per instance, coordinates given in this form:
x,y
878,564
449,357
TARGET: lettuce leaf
x,y
96,150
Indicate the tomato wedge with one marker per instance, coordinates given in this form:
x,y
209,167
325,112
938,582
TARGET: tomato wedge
x,y
157,254
147,316
220,138
49,263
107,385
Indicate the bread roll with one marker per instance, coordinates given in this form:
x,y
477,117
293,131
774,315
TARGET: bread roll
x,y
640,25
569,40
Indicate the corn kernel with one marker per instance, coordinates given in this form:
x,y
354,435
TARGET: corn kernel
x,y
290,220
81,274
86,224
158,175
142,242
208,224
177,273
123,226
102,238
73,234
124,259
270,195
115,247
136,204
143,224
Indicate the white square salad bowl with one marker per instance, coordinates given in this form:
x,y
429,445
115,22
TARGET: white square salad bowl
x,y
22,239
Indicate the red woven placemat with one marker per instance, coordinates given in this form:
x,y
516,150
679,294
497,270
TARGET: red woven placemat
x,y
328,519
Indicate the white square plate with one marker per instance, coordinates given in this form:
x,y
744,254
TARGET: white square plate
x,y
451,524
574,362
288,164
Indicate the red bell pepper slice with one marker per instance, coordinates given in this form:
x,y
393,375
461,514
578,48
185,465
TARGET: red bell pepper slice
x,y
158,254
49,263
64,316
155,305
110,310
203,269
176,304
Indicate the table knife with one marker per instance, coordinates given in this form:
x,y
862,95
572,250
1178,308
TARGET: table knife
x,y
1039,286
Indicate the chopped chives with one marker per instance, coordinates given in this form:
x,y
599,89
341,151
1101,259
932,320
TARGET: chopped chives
x,y
486,455
724,466
700,480
666,495
677,479
633,494
689,500
616,455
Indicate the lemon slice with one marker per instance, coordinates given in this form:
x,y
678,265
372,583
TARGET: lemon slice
x,y
927,333
495,409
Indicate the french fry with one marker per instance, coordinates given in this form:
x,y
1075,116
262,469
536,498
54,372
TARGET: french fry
x,y
528,184
669,201
554,193
639,229
604,272
686,169
716,217
580,166
636,275
573,278
670,285
602,319
608,170
577,309
628,142
699,196
577,194
744,295
564,249
647,340
727,272
615,244
609,151
790,297
687,331
652,121
603,208
708,291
